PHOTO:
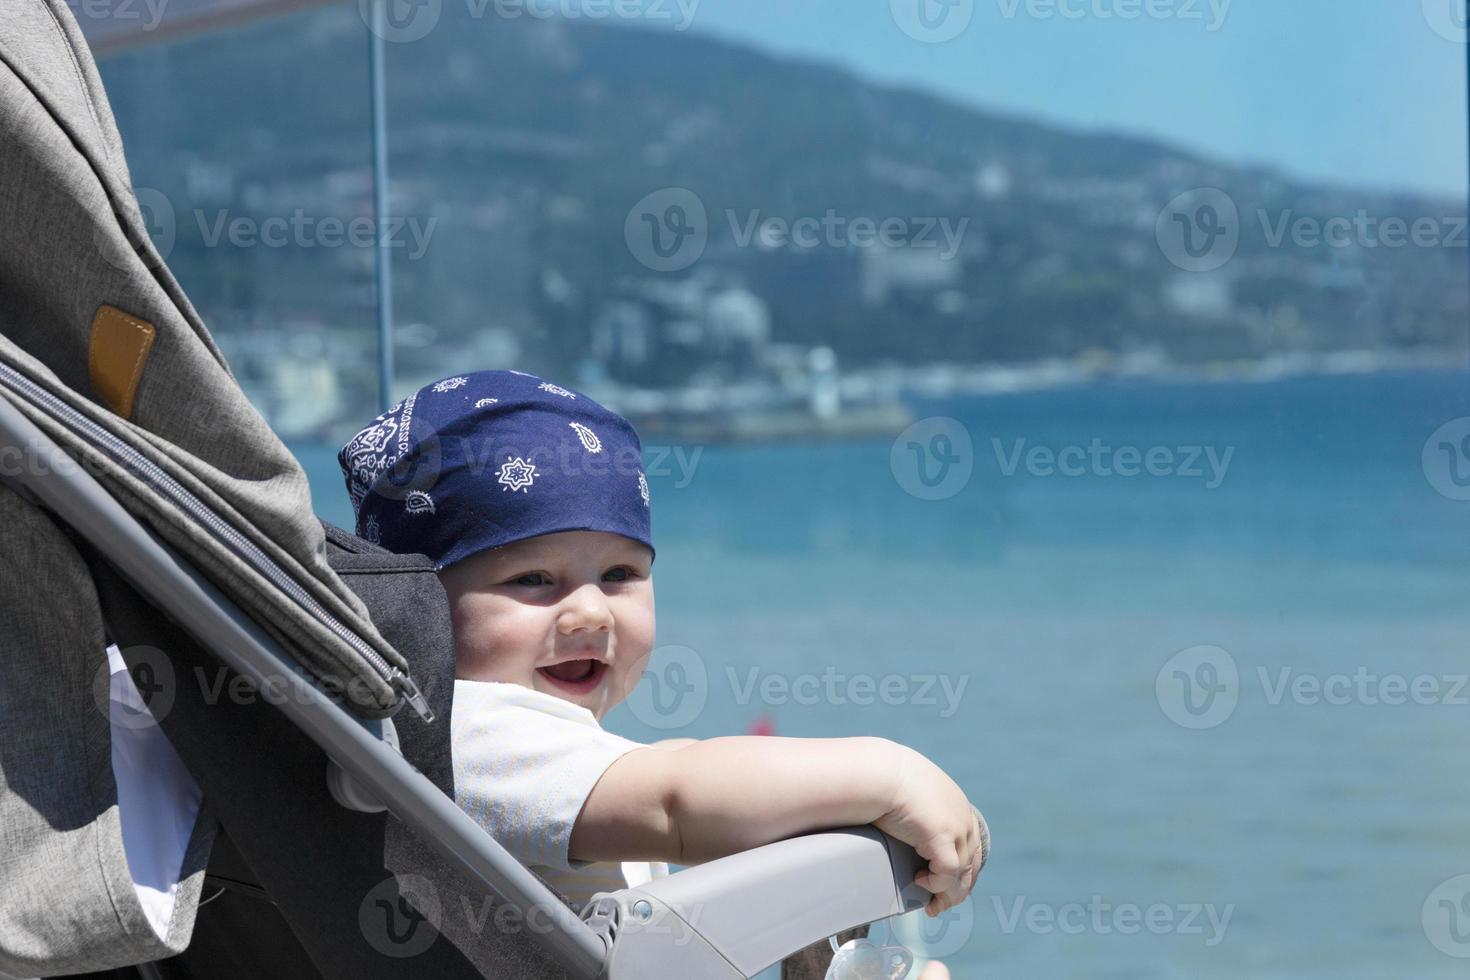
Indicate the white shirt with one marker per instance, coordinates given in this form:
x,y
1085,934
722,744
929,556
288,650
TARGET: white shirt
x,y
157,799
524,765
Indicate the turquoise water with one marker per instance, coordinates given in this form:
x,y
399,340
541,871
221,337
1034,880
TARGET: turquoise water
x,y
1022,625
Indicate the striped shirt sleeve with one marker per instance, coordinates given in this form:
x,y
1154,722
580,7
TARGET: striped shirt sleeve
x,y
524,765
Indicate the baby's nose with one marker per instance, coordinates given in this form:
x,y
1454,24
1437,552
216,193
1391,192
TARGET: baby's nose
x,y
585,610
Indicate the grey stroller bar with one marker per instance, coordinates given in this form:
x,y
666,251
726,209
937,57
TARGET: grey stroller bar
x,y
727,918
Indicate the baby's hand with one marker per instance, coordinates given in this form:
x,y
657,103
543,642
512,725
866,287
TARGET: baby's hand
x,y
931,814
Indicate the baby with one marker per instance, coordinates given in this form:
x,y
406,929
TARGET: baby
x,y
532,502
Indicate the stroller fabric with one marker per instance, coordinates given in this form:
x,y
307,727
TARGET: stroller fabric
x,y
100,349
92,320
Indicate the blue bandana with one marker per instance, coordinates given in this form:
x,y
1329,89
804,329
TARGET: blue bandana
x,y
478,461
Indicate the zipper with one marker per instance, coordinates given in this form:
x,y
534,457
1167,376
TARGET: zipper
x,y
242,547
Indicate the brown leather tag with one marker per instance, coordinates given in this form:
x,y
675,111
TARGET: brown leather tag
x,y
118,351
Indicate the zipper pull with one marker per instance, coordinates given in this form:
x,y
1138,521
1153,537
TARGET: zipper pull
x,y
409,689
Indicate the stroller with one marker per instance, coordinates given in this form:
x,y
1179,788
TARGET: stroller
x,y
147,508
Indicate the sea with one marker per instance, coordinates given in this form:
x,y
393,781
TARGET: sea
x,y
1197,651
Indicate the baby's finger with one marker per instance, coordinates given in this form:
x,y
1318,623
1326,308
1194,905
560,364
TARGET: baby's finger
x,y
959,888
935,905
945,866
976,854
972,875
928,881
940,904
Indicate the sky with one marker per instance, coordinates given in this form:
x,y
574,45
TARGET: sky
x,y
1355,92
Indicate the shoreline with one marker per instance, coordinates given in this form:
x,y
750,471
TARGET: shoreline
x,y
940,381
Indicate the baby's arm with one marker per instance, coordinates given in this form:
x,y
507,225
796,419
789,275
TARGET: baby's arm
x,y
701,800
673,743
710,798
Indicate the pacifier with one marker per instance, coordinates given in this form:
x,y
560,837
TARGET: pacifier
x,y
859,959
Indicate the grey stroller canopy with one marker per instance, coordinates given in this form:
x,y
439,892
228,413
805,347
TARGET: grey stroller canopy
x,y
147,507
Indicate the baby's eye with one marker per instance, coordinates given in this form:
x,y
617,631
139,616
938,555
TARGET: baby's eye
x,y
620,574
532,578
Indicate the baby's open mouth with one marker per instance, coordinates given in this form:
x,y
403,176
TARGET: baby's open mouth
x,y
576,676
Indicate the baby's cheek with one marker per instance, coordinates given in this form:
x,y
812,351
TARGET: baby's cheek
x,y
472,659
483,644
637,622
636,644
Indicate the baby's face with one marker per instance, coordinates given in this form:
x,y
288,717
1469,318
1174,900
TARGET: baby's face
x,y
570,614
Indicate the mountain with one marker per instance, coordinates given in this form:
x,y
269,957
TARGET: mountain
x,y
527,143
